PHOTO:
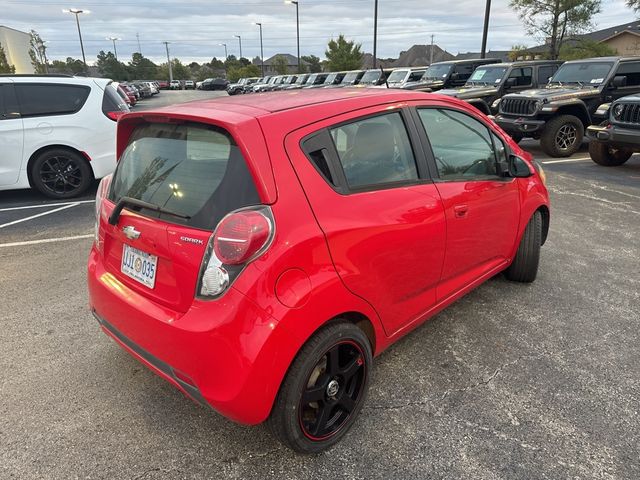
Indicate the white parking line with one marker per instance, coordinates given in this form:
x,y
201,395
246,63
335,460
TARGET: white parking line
x,y
568,160
8,224
44,240
45,205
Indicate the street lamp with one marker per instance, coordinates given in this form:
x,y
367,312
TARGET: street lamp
x,y
115,51
240,43
225,50
375,32
261,52
76,12
295,2
485,30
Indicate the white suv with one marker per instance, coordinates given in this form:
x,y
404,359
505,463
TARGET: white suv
x,y
57,133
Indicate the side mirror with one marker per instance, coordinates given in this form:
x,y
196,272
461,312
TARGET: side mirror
x,y
511,82
518,168
619,81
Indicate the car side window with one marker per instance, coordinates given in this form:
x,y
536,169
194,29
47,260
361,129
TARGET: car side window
x,y
415,76
50,99
545,73
462,146
464,71
375,151
523,76
8,102
631,70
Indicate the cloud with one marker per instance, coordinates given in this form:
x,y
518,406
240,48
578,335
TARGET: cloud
x,y
196,28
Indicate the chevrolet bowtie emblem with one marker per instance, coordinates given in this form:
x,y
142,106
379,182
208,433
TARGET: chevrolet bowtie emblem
x,y
130,232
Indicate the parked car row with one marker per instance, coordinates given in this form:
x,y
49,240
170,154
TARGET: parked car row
x,y
548,100
132,92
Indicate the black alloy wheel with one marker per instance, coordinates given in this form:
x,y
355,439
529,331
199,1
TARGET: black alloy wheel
x,y
324,389
61,174
332,391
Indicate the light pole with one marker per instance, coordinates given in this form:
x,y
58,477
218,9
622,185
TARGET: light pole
x,y
375,31
240,43
225,50
77,12
295,2
166,44
115,51
261,52
485,31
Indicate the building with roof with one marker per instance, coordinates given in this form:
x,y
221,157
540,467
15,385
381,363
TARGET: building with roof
x,y
623,39
501,54
16,46
270,63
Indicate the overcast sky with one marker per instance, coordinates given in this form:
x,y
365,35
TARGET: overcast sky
x,y
196,28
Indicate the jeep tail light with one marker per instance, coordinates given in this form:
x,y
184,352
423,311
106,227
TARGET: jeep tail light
x,y
239,238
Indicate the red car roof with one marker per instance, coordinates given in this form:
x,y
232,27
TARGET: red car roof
x,y
256,105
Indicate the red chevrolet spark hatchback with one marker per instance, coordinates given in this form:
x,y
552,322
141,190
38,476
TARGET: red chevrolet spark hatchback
x,y
257,252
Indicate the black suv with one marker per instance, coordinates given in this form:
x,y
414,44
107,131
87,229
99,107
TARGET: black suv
x,y
577,96
448,74
489,83
613,143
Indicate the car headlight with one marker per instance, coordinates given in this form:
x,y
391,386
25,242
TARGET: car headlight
x,y
617,111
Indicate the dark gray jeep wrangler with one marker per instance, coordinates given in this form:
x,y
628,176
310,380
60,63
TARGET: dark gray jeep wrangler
x,y
577,96
489,83
613,143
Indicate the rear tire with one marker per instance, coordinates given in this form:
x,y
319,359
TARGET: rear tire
x,y
60,173
562,136
608,156
524,267
324,389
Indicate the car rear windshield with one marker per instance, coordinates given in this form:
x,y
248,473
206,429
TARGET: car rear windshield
x,y
111,100
189,169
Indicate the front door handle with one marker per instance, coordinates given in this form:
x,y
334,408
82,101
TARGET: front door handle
x,y
460,211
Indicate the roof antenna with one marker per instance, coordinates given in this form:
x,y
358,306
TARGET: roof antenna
x,y
385,77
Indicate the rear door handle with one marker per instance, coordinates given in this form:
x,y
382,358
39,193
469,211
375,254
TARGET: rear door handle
x,y
461,210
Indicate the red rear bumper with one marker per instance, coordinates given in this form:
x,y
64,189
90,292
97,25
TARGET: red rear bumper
x,y
219,353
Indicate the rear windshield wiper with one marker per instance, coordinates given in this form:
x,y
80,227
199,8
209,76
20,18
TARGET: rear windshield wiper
x,y
134,202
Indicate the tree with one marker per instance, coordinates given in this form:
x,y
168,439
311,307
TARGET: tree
x,y
37,53
141,68
215,63
4,63
343,55
178,70
235,73
313,62
109,67
280,64
71,66
635,4
556,19
516,52
585,49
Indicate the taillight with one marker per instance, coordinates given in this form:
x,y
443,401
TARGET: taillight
x,y
241,235
239,238
103,189
115,115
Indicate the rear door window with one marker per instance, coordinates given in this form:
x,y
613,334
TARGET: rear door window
x,y
38,99
375,151
545,73
190,169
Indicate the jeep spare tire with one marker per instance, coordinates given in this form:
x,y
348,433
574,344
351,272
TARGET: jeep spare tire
x,y
562,136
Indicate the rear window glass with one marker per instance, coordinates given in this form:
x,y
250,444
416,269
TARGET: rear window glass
x,y
50,99
189,169
111,100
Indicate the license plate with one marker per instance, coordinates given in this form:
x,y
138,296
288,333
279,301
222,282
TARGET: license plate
x,y
139,265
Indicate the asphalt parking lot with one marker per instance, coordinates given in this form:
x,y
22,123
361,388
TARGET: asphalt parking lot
x,y
514,381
